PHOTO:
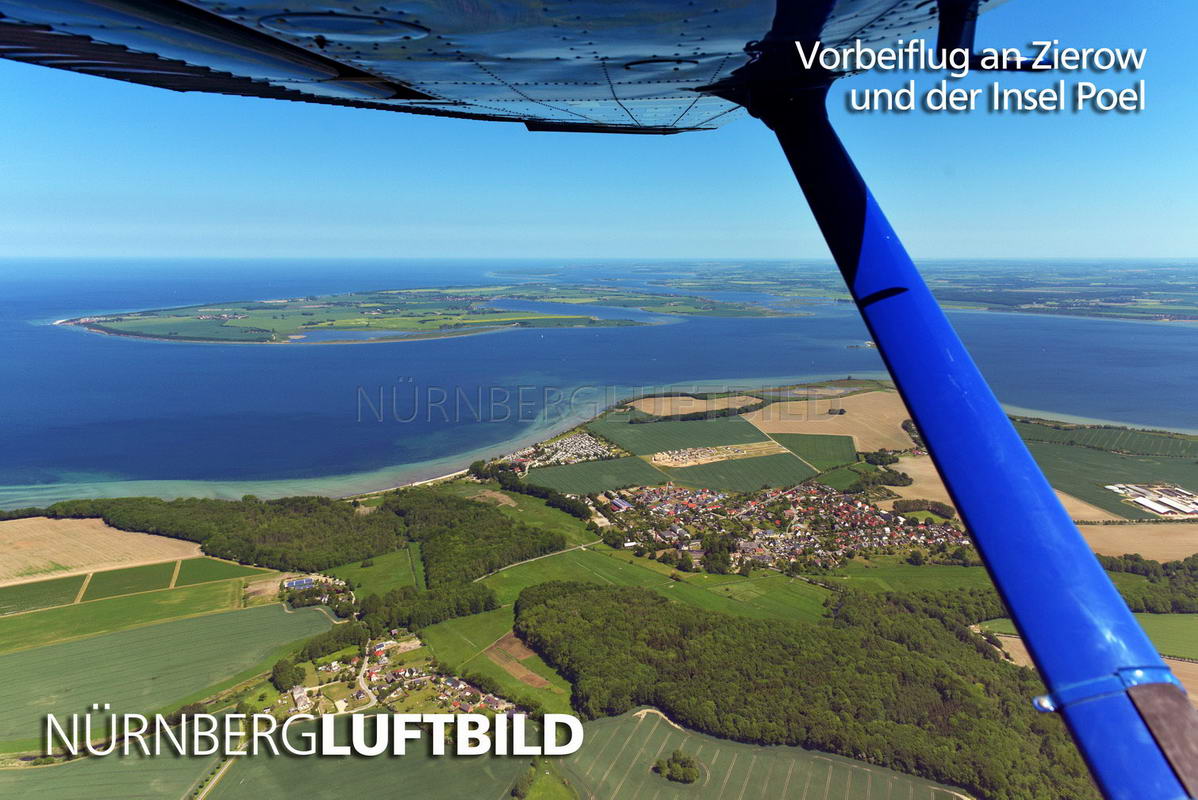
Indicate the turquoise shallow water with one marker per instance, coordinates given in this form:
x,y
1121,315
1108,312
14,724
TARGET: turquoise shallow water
x,y
84,414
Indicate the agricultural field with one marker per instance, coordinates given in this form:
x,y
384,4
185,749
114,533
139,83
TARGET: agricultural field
x,y
523,508
51,625
890,574
873,419
39,594
39,547
483,644
1124,440
685,404
203,570
600,476
766,596
415,775
1173,634
1083,472
820,451
1160,542
160,778
654,437
389,571
617,760
744,474
843,477
145,669
129,580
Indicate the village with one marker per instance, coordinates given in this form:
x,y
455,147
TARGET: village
x,y
808,525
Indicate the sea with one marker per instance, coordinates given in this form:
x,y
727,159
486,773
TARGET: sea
x,y
90,415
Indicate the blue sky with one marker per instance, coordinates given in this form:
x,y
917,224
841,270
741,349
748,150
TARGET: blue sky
x,y
90,167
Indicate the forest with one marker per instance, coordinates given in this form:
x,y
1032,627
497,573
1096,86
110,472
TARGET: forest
x,y
1172,587
463,539
305,534
894,680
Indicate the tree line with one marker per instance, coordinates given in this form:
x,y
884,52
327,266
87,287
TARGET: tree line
x,y
895,680
1172,587
304,534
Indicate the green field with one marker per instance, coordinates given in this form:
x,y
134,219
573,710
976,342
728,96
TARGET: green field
x,y
52,625
39,594
390,571
654,437
1173,634
588,477
616,758
527,509
1121,439
160,778
1083,472
744,474
202,570
889,574
145,669
461,643
843,477
414,775
768,596
819,450
115,582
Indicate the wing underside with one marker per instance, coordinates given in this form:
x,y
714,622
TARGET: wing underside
x,y
626,66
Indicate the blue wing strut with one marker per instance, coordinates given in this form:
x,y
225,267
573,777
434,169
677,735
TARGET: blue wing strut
x,y
1126,711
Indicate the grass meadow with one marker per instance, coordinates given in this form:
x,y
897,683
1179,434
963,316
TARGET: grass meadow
x,y
819,450
147,669
1173,634
617,759
524,508
388,571
890,574
765,596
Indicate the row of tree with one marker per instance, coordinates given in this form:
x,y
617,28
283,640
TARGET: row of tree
x,y
1171,587
895,680
304,534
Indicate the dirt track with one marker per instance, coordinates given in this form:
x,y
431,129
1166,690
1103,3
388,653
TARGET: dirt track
x,y
38,548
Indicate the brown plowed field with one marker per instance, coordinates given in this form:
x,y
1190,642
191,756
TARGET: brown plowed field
x,y
873,419
37,548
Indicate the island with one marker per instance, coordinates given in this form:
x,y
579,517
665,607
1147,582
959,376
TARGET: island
x,y
407,314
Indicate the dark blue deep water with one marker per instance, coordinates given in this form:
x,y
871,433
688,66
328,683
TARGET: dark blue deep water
x,y
84,414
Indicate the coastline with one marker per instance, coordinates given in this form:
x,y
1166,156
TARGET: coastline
x,y
374,481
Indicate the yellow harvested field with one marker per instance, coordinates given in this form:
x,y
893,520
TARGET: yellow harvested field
x,y
1186,671
37,548
873,419
928,486
693,456
1160,542
668,406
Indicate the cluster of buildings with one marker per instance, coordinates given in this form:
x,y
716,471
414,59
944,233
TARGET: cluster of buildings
x,y
222,317
1165,499
568,450
812,524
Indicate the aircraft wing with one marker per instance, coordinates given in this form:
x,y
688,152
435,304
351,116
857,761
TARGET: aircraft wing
x,y
613,66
